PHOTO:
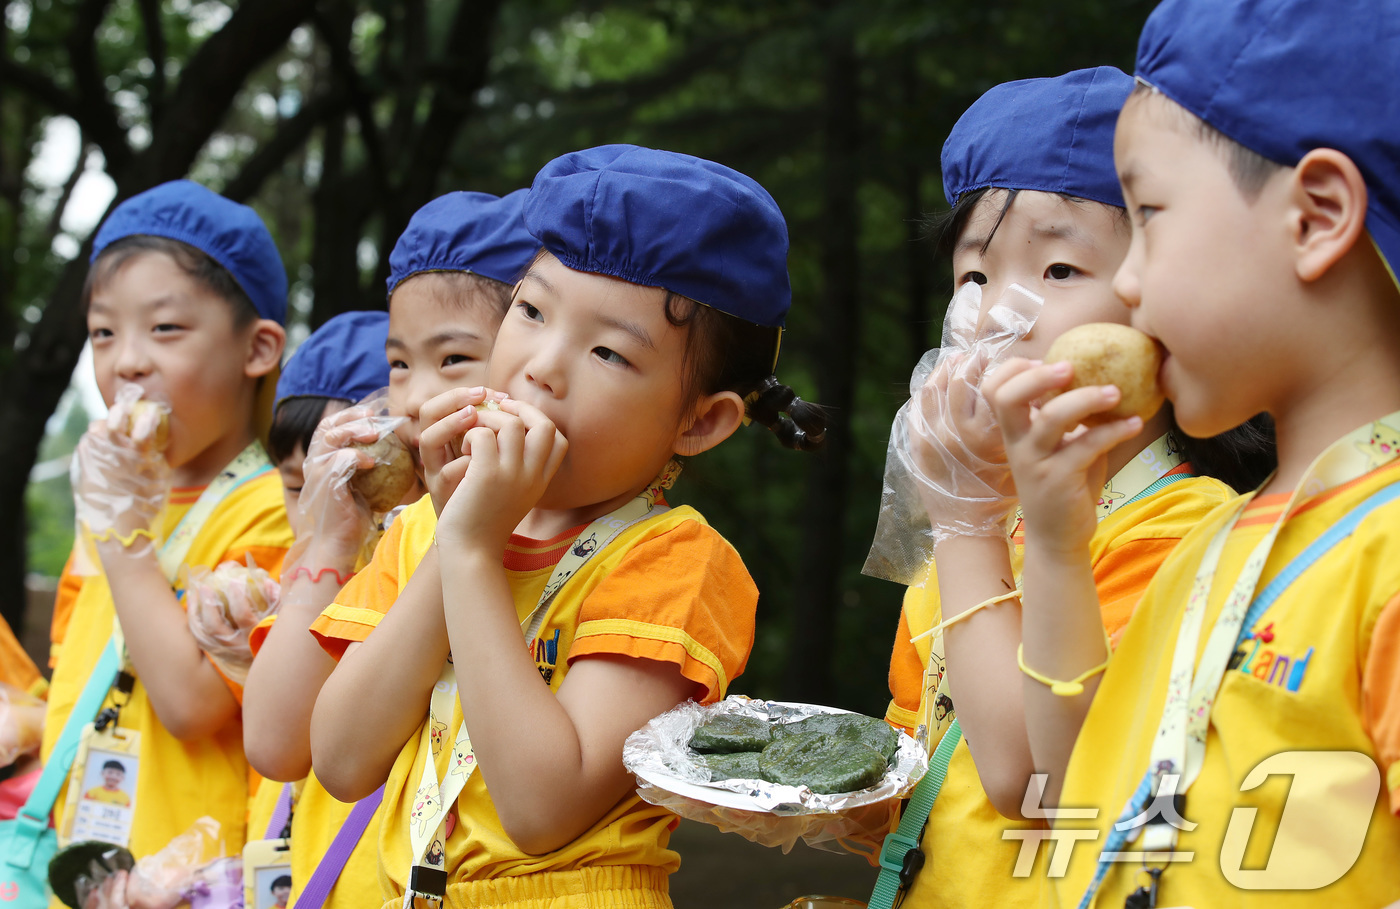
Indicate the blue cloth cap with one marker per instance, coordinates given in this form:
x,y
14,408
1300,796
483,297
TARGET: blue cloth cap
x,y
229,233
1283,77
463,231
663,219
1049,135
344,358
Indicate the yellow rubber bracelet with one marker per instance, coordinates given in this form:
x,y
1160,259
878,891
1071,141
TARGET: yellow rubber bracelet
x,y
1072,688
124,540
1013,595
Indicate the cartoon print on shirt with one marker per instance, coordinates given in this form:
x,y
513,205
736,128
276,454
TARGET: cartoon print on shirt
x,y
586,547
462,762
436,734
1106,499
435,855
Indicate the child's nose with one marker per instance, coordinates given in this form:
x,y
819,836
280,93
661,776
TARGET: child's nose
x,y
545,370
1126,284
132,361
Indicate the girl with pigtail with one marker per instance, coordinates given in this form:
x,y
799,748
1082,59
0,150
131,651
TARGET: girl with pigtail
x,y
645,329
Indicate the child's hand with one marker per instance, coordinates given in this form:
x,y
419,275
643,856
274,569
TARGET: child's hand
x,y
445,420
1060,467
119,486
331,524
508,458
957,451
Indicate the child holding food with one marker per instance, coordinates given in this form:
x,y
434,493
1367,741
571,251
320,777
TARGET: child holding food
x,y
185,302
1242,747
1028,170
644,330
449,283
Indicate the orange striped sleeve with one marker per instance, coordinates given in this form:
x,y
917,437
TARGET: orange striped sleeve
x,y
364,600
906,677
1122,574
1380,696
682,597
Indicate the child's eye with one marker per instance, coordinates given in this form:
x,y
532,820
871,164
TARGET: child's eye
x,y
98,334
167,327
1060,271
611,356
1144,212
976,277
529,311
454,359
397,364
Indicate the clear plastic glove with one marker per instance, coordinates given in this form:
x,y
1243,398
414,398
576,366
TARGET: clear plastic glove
x,y
21,723
120,476
946,472
223,605
335,524
163,879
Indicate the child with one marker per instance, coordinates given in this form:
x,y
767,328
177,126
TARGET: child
x,y
185,302
113,775
1028,170
639,330
449,285
342,362
1258,161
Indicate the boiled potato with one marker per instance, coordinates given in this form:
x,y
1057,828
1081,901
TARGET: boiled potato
x,y
1106,353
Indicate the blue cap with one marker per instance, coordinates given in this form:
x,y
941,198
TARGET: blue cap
x,y
344,358
1050,135
229,233
669,220
1283,77
475,232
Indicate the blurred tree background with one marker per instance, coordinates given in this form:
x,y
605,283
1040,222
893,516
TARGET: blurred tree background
x,y
337,119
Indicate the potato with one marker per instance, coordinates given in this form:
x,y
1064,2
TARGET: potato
x,y
148,425
386,483
1106,353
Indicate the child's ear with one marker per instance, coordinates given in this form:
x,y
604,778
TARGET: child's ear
x,y
1328,211
265,346
716,418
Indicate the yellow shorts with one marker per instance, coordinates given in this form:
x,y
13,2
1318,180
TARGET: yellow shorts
x,y
601,887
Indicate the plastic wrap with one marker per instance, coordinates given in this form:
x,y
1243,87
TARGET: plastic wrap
x,y
21,723
186,870
946,472
223,605
669,775
120,476
334,518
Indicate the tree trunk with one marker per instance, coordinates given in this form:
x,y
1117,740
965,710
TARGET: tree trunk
x,y
825,550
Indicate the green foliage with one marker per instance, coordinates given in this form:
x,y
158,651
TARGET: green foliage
x,y
747,84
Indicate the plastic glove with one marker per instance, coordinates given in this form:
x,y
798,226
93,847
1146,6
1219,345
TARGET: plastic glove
x,y
334,523
223,605
946,472
120,477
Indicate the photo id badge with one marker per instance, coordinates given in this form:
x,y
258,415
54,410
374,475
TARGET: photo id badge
x,y
267,874
101,799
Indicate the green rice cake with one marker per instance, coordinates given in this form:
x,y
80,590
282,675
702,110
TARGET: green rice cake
x,y
738,765
730,732
822,762
852,727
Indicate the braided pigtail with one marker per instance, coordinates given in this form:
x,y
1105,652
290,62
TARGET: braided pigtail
x,y
798,425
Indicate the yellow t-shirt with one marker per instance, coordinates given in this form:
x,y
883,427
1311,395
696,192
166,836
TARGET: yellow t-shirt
x,y
109,796
177,782
1322,674
669,589
969,863
317,817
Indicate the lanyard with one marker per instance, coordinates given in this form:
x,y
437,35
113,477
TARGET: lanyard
x,y
1149,471
250,463
1178,750
434,798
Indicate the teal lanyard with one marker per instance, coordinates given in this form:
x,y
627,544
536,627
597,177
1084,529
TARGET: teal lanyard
x,y
900,857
